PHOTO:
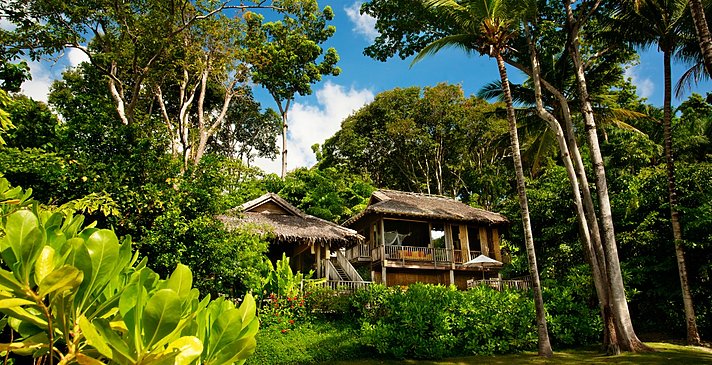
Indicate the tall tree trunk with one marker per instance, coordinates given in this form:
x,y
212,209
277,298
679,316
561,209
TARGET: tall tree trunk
x,y
610,341
544,344
283,112
626,337
693,337
703,33
585,228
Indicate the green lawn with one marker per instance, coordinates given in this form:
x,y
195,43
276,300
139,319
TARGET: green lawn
x,y
665,353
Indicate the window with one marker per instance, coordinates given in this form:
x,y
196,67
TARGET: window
x,y
437,235
473,236
455,229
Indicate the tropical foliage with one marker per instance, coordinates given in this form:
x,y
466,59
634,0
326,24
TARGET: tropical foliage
x,y
76,294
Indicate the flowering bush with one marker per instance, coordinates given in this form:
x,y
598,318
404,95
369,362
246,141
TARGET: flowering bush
x,y
283,311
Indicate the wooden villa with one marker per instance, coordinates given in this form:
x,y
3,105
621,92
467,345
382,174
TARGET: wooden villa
x,y
411,237
310,242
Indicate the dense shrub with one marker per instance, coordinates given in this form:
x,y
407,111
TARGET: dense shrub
x,y
326,303
426,321
572,314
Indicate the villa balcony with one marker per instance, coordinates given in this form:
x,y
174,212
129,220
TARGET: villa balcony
x,y
411,255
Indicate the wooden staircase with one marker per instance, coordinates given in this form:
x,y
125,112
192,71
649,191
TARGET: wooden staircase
x,y
340,271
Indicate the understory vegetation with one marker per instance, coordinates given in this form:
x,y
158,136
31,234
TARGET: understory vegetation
x,y
421,321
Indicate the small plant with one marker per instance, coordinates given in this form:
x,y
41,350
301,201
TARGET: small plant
x,y
283,304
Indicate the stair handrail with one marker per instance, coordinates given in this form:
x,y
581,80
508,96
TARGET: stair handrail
x,y
349,269
333,274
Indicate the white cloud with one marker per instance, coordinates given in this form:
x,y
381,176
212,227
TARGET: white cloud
x,y
42,77
7,25
310,124
644,85
45,71
76,56
364,24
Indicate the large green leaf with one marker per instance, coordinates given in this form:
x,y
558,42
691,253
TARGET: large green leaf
x,y
22,314
10,283
161,316
232,335
44,263
189,348
19,225
14,302
103,248
25,239
65,278
93,338
113,340
181,281
79,258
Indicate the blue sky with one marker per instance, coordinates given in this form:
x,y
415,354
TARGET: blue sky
x,y
316,117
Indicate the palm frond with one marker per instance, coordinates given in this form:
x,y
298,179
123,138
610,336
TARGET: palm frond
x,y
464,42
492,90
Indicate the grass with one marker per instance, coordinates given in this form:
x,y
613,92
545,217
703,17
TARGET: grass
x,y
665,354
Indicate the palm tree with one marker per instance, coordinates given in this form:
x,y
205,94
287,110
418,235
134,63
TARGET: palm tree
x,y
626,337
487,27
703,33
661,22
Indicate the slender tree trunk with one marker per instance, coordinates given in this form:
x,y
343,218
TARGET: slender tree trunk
x,y
703,33
693,337
117,94
544,344
283,112
599,280
610,341
627,339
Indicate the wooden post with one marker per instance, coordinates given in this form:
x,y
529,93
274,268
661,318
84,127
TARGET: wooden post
x,y
449,245
327,254
484,243
452,277
495,244
383,273
464,244
318,261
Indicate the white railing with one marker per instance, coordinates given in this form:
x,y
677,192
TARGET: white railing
x,y
349,269
344,286
333,274
500,285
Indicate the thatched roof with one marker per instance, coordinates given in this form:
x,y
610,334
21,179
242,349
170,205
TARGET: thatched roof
x,y
274,215
402,204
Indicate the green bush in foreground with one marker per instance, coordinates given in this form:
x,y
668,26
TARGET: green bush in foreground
x,y
427,321
76,295
423,322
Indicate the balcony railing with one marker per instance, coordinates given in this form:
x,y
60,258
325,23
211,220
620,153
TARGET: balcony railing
x,y
343,286
360,251
499,284
424,254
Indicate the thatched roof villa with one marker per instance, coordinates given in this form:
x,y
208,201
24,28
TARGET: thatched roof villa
x,y
308,240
